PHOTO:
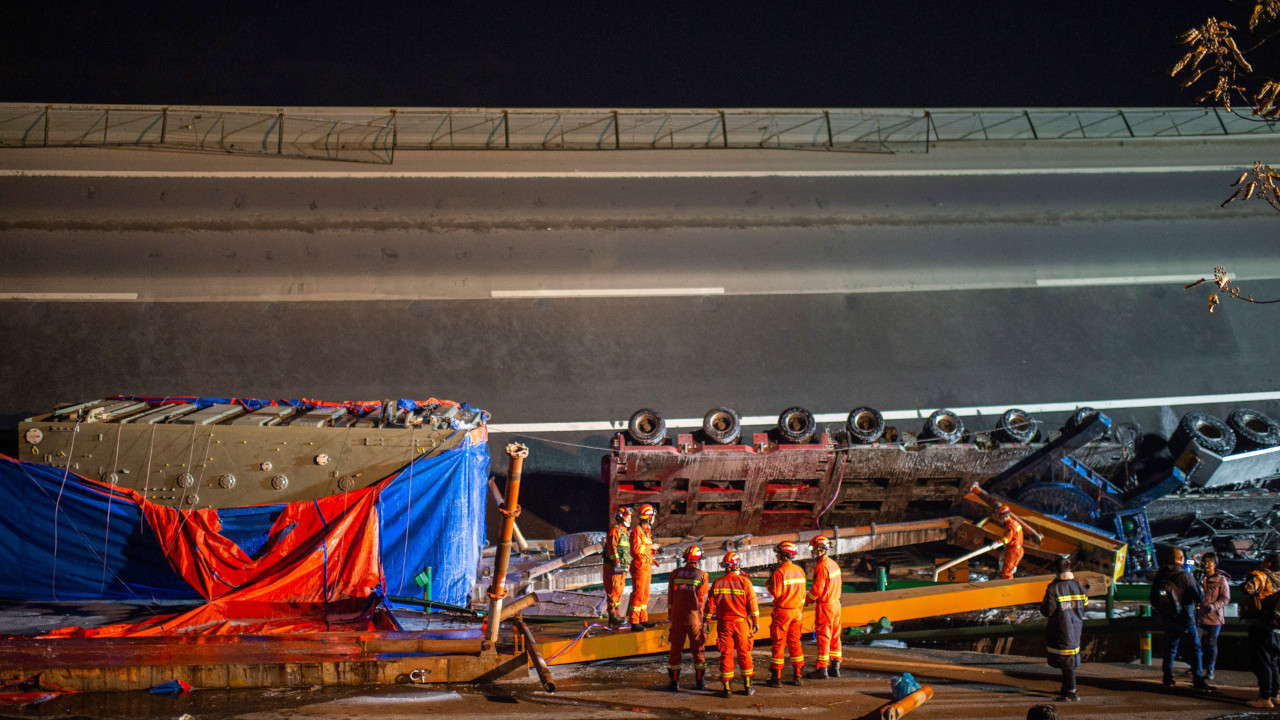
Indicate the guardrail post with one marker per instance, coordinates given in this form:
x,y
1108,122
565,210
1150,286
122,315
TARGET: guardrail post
x,y
1126,122
47,109
164,124
882,579
1221,124
1034,134
280,136
724,129
831,142
506,130
106,123
617,136
928,126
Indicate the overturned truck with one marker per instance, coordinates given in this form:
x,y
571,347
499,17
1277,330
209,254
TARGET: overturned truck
x,y
1090,472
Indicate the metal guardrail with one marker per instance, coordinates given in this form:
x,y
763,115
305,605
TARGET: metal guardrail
x,y
368,135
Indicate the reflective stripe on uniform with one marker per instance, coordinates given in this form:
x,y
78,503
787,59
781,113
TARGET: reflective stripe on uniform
x,y
778,661
1066,651
793,581
1073,598
700,666
728,591
673,667
823,658
687,581
798,659
727,676
639,607
833,574
836,655
749,673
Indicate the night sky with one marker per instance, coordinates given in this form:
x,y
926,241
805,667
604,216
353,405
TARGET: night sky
x,y
847,54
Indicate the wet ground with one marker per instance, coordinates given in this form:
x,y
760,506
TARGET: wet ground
x,y
966,685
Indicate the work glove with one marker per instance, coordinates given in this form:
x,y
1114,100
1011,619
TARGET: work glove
x,y
755,628
620,569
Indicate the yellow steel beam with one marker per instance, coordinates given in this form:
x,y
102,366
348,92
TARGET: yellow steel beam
x,y
857,609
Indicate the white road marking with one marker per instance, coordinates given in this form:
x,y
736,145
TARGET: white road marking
x,y
606,292
69,297
920,414
1127,280
621,174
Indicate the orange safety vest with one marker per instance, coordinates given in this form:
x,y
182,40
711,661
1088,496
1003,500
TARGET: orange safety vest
x,y
733,597
787,586
826,582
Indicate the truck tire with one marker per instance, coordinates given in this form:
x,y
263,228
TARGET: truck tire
x,y
945,426
1016,426
647,427
1253,429
1081,417
721,426
573,542
796,425
864,425
1204,430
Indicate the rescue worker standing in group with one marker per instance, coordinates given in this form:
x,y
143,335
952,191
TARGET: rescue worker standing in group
x,y
687,590
617,556
1262,584
732,604
824,594
1064,602
787,587
642,563
1012,541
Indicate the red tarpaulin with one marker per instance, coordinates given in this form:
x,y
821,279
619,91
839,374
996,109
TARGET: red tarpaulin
x,y
320,567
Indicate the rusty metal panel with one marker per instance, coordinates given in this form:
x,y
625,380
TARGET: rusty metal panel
x,y
765,488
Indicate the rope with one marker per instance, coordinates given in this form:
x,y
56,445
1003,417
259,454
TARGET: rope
x,y
581,635
57,508
106,534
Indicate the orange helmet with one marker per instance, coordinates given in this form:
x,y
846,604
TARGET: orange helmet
x,y
820,542
693,555
622,514
1004,511
646,512
731,561
786,549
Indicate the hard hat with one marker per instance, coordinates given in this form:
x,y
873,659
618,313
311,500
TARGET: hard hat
x,y
786,549
1003,511
731,561
820,542
646,512
622,514
693,555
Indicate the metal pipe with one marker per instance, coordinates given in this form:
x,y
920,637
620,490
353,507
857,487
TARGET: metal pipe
x,y
560,562
540,665
986,548
1036,536
497,496
519,605
895,710
509,511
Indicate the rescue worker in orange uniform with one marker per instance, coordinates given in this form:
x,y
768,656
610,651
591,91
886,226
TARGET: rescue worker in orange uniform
x,y
687,590
642,564
787,587
1012,541
824,594
617,556
733,604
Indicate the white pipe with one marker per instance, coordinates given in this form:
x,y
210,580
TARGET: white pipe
x,y
938,571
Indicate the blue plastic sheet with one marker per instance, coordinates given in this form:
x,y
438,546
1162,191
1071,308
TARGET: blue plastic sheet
x,y
68,539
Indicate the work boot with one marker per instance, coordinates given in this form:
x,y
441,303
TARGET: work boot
x,y
818,674
1261,703
637,626
1068,696
746,687
674,685
615,621
834,669
775,678
724,691
699,679
795,679
1203,686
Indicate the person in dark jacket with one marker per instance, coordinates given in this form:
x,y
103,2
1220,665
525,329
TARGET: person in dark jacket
x,y
1265,646
1064,602
1209,616
1173,579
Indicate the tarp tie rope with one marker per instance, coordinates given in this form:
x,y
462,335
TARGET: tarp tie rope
x,y
581,635
57,509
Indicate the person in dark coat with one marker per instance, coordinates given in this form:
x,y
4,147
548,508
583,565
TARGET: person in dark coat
x,y
1265,646
1064,603
1173,579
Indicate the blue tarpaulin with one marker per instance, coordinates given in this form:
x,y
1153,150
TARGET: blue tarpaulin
x,y
66,538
